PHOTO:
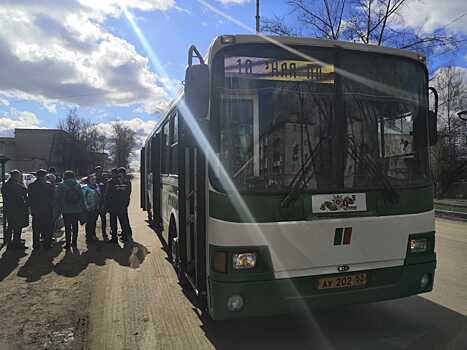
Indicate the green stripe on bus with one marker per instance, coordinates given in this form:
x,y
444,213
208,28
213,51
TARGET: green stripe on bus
x,y
268,208
338,236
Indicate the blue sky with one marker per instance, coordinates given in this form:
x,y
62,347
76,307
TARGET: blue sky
x,y
83,53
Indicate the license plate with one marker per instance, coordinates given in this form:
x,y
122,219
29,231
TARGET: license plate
x,y
345,281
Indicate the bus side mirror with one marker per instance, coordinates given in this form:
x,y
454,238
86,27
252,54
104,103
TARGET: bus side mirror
x,y
433,119
197,90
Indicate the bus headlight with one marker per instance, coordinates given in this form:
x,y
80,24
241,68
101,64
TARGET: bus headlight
x,y
418,245
244,261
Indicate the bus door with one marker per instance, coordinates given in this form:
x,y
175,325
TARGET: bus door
x,y
192,214
142,179
156,179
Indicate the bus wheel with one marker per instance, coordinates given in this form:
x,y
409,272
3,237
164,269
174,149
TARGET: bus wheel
x,y
174,253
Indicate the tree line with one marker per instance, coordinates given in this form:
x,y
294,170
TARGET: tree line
x,y
83,146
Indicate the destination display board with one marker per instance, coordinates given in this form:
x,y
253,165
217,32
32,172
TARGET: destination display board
x,y
273,69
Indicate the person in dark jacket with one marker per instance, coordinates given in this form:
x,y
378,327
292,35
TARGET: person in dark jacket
x,y
15,208
118,191
41,200
100,182
53,172
71,204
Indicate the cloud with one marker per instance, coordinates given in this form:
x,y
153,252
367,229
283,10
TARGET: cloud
x,y
17,119
59,51
4,102
430,15
233,2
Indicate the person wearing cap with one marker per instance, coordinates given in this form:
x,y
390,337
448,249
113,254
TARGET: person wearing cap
x,y
101,184
117,201
15,208
41,200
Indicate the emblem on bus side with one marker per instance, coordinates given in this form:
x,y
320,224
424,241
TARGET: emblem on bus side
x,y
343,268
338,203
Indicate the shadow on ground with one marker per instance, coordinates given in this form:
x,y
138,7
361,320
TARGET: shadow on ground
x,y
74,262
9,261
41,263
411,323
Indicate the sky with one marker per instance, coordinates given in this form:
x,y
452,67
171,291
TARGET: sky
x,y
60,54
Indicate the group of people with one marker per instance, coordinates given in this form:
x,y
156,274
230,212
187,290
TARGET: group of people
x,y
50,197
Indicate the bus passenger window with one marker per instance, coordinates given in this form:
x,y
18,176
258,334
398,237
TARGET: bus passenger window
x,y
174,144
165,151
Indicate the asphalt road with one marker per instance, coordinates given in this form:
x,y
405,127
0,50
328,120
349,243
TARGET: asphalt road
x,y
138,304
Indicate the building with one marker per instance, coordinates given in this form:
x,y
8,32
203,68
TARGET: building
x,y
32,149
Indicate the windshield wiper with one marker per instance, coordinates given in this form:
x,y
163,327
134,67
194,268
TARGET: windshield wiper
x,y
376,172
298,181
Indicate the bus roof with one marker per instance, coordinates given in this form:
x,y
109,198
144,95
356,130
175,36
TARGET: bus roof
x,y
217,45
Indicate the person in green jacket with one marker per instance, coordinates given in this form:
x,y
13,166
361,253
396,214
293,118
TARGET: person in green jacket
x,y
92,202
70,202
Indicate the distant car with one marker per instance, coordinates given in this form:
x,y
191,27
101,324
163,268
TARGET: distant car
x,y
28,179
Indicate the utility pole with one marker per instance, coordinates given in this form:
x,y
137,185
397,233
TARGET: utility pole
x,y
257,17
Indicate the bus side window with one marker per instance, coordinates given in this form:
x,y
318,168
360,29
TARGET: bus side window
x,y
174,143
165,150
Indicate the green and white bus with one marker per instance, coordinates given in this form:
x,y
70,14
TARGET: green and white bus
x,y
294,172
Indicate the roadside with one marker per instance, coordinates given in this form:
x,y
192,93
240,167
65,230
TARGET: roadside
x,y
451,208
44,297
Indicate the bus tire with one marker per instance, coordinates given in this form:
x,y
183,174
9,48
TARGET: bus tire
x,y
174,252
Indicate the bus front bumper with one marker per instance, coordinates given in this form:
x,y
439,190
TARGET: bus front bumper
x,y
278,296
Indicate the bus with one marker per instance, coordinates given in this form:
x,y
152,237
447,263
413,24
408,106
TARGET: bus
x,y
294,172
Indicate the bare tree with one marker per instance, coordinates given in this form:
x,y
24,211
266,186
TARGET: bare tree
x,y
81,145
122,144
449,156
377,22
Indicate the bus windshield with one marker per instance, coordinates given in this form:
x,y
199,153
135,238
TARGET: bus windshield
x,y
353,123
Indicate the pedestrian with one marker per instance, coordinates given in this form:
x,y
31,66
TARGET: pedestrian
x,y
54,173
15,208
41,200
71,204
117,201
92,202
101,182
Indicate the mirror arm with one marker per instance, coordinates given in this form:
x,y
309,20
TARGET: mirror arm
x,y
191,51
435,93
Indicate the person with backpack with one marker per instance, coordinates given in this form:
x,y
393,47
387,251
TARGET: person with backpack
x,y
71,204
92,202
41,200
